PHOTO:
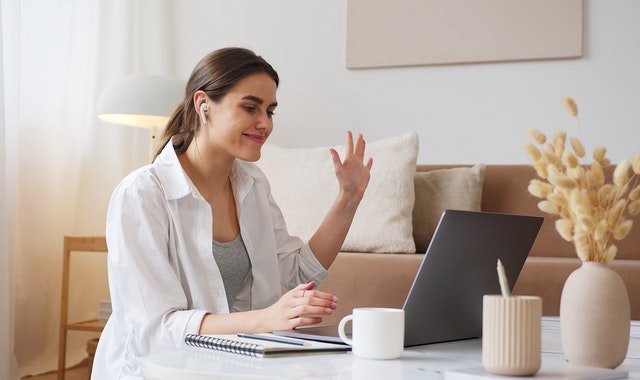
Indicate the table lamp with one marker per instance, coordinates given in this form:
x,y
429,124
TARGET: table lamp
x,y
141,101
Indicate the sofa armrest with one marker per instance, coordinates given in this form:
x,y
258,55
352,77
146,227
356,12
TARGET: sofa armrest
x,y
545,277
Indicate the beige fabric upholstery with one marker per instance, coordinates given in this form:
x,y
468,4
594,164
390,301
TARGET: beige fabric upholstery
x,y
385,279
368,280
545,277
439,190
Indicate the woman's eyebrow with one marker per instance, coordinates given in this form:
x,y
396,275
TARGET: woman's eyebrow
x,y
259,100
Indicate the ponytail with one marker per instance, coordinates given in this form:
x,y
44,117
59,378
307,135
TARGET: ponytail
x,y
179,127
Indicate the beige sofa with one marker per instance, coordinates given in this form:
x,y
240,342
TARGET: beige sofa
x,y
384,279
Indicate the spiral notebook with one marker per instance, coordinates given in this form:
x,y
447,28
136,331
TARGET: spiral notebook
x,y
261,345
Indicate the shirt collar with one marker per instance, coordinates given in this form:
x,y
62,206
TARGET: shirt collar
x,y
174,180
177,183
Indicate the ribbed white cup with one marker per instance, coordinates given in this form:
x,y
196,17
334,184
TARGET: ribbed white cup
x,y
511,334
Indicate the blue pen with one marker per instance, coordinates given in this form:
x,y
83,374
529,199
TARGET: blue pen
x,y
273,338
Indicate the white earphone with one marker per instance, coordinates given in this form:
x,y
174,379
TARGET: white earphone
x,y
203,108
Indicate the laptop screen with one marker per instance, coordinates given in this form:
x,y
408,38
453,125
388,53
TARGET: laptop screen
x,y
459,268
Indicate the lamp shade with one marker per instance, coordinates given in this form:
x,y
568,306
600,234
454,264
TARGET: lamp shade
x,y
140,101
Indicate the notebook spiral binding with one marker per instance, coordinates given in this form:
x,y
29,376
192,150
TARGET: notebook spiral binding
x,y
225,345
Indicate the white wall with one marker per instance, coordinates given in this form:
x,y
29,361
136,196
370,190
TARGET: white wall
x,y
462,113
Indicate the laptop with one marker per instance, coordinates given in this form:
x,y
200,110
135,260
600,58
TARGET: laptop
x,y
458,269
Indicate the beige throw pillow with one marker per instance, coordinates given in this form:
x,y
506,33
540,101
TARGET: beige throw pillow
x,y
304,185
442,189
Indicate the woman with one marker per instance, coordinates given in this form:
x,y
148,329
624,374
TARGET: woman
x,y
196,241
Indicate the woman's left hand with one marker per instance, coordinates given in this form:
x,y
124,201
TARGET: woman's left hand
x,y
352,173
353,177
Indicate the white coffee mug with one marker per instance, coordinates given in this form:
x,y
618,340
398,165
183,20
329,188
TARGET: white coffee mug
x,y
377,333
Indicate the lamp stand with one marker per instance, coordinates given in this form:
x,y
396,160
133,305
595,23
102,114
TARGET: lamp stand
x,y
152,144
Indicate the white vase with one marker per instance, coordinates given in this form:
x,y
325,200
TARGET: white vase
x,y
595,316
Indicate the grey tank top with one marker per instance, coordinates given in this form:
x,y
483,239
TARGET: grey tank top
x,y
234,265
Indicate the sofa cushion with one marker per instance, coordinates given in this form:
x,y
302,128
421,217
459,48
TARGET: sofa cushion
x,y
438,190
304,186
365,280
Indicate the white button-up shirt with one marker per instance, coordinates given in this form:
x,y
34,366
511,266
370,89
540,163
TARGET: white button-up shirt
x,y
163,277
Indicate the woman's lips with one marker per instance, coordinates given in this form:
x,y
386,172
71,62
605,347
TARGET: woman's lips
x,y
257,138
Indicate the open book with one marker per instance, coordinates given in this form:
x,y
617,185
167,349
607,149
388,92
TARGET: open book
x,y
261,345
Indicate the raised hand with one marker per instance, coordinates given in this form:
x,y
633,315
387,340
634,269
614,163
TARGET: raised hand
x,y
352,173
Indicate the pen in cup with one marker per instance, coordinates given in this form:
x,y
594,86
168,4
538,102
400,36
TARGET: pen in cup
x,y
273,338
504,283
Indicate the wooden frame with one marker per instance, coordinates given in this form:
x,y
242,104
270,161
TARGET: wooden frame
x,y
384,33
84,245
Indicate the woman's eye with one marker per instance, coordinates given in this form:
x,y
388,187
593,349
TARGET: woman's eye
x,y
253,109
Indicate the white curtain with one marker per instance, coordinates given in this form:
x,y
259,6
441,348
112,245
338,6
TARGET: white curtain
x,y
8,365
59,163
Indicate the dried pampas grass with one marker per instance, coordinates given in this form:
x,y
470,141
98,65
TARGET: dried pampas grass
x,y
591,213
571,106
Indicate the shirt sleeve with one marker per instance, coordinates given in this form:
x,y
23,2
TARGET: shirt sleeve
x,y
145,288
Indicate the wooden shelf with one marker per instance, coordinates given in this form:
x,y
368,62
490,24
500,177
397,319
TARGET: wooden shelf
x,y
80,244
90,325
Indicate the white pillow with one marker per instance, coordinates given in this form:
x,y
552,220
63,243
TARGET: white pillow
x,y
304,185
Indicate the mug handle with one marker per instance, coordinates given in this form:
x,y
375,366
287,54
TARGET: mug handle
x,y
341,332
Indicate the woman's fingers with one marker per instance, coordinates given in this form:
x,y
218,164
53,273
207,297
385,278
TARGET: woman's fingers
x,y
305,301
349,143
360,147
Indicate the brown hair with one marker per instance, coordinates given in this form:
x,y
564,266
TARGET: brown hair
x,y
215,74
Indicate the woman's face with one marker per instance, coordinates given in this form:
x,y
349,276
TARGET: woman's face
x,y
242,120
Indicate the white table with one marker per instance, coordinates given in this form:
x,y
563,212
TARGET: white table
x,y
422,362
